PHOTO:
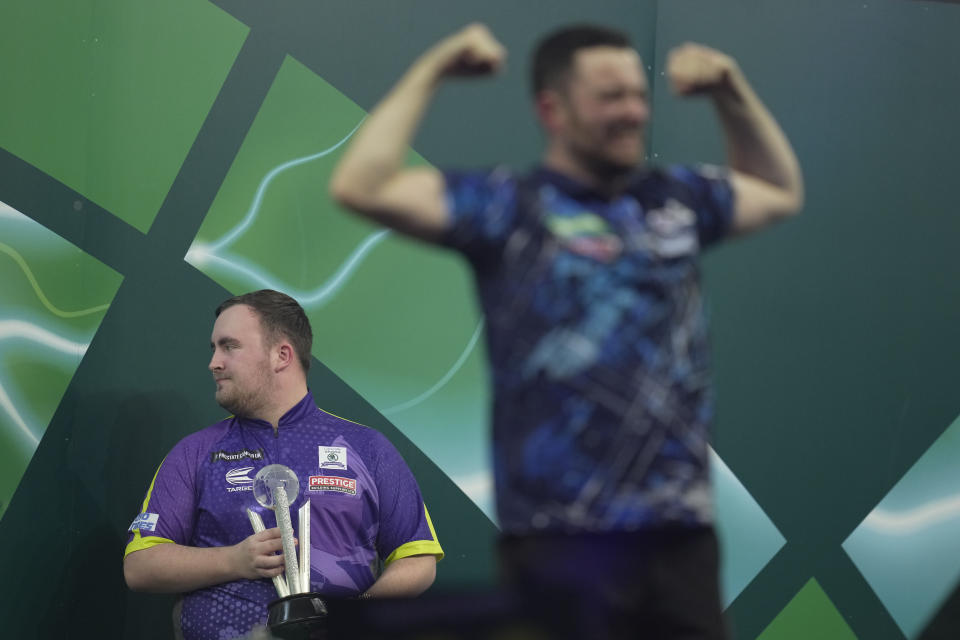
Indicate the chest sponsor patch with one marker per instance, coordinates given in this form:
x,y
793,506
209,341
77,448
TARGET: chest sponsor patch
x,y
333,483
586,234
239,479
673,231
233,456
145,522
333,458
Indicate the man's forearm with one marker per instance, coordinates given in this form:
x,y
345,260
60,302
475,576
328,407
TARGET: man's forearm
x,y
756,146
174,568
379,147
405,578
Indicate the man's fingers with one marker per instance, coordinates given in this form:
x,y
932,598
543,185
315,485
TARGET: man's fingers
x,y
477,51
269,573
266,534
271,545
266,544
693,68
270,562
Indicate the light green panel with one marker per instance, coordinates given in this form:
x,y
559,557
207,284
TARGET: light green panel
x,y
809,615
53,299
108,96
748,538
908,546
393,318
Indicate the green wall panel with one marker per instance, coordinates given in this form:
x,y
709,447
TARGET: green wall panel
x,y
107,96
810,614
53,299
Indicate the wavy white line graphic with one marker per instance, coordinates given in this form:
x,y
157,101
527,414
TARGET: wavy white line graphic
x,y
446,377
908,521
254,210
10,329
201,255
11,411
22,330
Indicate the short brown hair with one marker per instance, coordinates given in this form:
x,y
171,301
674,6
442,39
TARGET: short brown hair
x,y
280,317
553,57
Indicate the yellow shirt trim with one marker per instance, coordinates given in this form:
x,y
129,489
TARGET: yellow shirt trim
x,y
138,543
418,547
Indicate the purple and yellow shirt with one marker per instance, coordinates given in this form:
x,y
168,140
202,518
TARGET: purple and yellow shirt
x,y
366,508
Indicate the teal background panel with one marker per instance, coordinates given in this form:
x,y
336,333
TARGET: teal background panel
x,y
908,546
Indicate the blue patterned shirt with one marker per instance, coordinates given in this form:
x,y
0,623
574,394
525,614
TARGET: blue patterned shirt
x,y
597,341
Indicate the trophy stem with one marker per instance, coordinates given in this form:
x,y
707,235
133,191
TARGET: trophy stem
x,y
304,521
282,509
257,523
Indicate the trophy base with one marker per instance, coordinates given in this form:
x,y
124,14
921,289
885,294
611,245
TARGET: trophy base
x,y
302,616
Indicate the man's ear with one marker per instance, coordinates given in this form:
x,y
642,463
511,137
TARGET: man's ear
x,y
284,356
550,109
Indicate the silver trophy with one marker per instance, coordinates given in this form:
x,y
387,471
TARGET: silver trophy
x,y
297,613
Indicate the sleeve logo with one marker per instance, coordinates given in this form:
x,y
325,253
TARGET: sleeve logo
x,y
145,522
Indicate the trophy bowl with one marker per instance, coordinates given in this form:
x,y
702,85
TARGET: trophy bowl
x,y
301,616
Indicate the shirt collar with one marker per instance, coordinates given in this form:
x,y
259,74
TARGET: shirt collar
x,y
295,414
579,191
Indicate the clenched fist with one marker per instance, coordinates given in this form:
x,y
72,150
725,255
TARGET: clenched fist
x,y
471,51
696,69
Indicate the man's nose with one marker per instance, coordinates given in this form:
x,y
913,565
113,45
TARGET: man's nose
x,y
639,110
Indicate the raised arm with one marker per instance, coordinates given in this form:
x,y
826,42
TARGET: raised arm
x,y
766,176
371,179
172,568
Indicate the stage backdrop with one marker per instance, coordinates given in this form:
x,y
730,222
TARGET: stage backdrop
x,y
157,157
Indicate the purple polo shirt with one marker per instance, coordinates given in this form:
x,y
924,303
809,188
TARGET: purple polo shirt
x,y
366,508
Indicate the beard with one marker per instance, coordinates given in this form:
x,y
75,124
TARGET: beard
x,y
604,163
239,404
243,401
604,168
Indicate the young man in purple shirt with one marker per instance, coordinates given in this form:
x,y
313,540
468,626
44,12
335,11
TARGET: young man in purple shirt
x,y
370,532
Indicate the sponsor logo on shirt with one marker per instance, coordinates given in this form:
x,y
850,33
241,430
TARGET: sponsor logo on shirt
x,y
233,456
240,479
673,228
586,234
333,458
145,522
333,483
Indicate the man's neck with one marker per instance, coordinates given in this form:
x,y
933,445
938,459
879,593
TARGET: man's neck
x,y
608,184
284,400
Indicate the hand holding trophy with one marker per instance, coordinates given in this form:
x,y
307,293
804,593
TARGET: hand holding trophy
x,y
297,614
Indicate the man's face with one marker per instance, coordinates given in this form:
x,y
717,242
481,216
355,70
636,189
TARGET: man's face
x,y
241,362
603,112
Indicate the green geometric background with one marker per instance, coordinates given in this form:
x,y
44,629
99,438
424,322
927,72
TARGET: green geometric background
x,y
54,298
164,155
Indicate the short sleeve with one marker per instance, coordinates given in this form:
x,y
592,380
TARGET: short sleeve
x,y
405,525
168,511
483,211
710,195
